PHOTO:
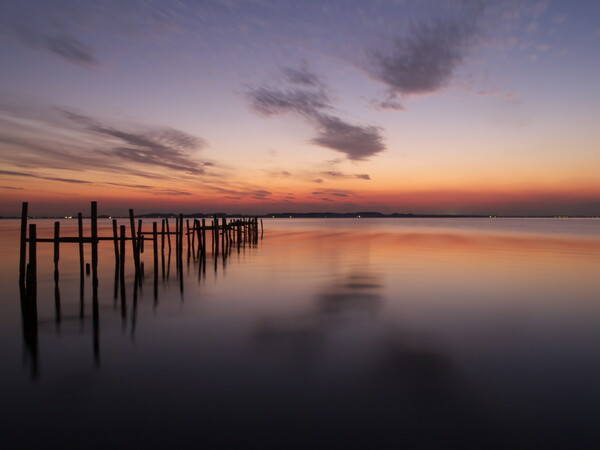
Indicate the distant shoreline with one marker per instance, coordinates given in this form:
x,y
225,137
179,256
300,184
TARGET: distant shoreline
x,y
317,215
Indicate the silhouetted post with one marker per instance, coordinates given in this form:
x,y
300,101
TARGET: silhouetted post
x,y
155,248
136,256
204,235
81,264
80,236
32,268
162,236
194,232
23,246
87,268
94,236
187,227
140,237
95,280
216,234
262,230
224,236
177,244
181,242
168,234
56,249
122,263
116,242
162,248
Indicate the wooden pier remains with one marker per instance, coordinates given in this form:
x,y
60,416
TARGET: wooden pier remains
x,y
226,234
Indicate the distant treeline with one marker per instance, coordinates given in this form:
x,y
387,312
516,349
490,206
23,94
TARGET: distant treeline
x,y
309,215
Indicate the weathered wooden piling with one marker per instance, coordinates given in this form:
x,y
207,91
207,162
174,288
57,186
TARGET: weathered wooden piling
x,y
94,235
32,266
134,246
116,242
56,249
168,234
140,237
81,265
80,242
155,248
122,263
23,246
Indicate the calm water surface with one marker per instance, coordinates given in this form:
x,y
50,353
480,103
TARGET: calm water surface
x,y
332,333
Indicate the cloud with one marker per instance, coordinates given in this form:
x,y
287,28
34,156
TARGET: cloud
x,y
34,175
333,192
357,142
69,49
57,43
269,101
317,180
337,174
164,147
388,103
423,61
261,193
311,102
12,188
302,75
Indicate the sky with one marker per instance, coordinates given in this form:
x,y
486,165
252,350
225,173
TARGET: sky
x,y
258,106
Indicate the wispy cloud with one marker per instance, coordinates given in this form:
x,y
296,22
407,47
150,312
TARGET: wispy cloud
x,y
43,177
338,174
163,147
424,59
305,94
56,42
301,75
52,143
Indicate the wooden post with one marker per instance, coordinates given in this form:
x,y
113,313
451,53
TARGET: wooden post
x,y
195,226
168,234
155,248
216,235
162,236
136,256
32,266
80,235
181,243
116,242
187,227
23,247
204,235
140,237
177,244
95,266
56,249
224,236
94,236
162,248
56,259
122,263
81,264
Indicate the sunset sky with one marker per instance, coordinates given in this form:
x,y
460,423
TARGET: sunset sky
x,y
258,106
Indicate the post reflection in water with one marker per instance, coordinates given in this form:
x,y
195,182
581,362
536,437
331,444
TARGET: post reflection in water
x,y
337,337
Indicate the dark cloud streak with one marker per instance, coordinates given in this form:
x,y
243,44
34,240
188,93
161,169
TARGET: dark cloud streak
x,y
312,103
425,59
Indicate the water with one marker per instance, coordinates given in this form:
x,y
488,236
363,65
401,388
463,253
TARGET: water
x,y
332,333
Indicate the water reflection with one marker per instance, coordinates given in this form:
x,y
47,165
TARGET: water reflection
x,y
354,340
196,268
